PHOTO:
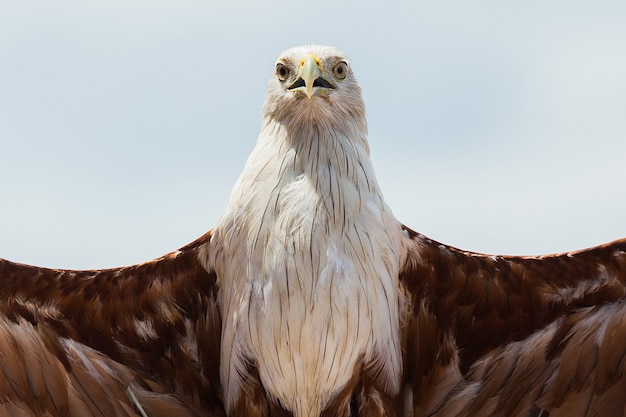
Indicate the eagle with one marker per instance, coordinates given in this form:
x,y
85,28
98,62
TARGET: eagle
x,y
310,299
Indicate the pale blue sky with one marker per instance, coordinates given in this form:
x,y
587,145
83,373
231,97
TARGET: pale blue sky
x,y
494,126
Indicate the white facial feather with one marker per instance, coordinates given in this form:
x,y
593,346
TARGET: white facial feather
x,y
308,253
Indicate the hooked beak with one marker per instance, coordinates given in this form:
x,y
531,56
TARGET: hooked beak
x,y
310,80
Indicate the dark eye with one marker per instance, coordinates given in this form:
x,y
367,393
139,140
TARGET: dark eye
x,y
341,70
282,72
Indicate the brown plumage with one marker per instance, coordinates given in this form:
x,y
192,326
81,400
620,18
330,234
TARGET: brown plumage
x,y
310,299
515,335
484,336
77,342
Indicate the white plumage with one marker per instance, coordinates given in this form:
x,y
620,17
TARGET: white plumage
x,y
307,251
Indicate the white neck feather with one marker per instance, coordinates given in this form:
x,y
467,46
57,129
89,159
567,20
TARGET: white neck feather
x,y
308,263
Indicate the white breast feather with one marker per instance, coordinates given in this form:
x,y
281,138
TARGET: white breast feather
x,y
307,261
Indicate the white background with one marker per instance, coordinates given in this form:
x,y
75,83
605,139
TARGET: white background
x,y
495,126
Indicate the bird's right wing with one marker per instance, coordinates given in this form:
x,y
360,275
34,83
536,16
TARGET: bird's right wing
x,y
113,341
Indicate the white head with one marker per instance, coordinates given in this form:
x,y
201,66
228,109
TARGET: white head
x,y
315,85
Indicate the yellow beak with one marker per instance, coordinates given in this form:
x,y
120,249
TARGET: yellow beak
x,y
310,70
310,80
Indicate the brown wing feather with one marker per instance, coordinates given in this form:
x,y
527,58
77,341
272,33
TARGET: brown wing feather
x,y
574,367
465,306
153,328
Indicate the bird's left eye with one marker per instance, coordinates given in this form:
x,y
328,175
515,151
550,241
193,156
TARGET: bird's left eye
x,y
282,72
341,70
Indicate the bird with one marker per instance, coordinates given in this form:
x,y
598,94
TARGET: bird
x,y
308,298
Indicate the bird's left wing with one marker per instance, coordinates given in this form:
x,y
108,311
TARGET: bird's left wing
x,y
464,309
574,367
104,342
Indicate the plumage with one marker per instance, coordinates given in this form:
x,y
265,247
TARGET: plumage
x,y
309,298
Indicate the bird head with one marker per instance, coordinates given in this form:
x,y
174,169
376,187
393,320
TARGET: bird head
x,y
314,82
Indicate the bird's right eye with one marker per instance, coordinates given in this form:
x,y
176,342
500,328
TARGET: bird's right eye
x,y
282,72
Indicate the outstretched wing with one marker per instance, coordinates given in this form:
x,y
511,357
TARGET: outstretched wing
x,y
574,367
482,331
111,342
